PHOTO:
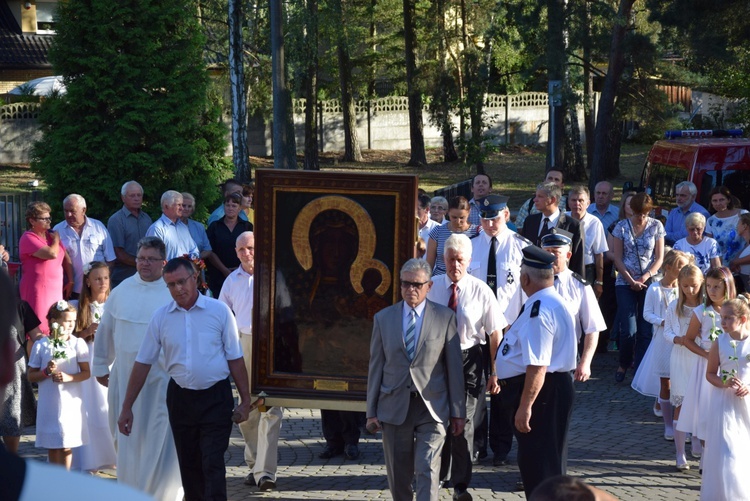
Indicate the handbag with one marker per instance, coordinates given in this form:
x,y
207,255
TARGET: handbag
x,y
638,253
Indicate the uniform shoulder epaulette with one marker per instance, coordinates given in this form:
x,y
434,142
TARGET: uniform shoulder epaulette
x,y
522,238
580,278
535,308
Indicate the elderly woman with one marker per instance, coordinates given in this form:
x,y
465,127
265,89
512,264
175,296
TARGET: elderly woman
x,y
44,263
222,235
438,208
722,225
705,249
458,222
638,254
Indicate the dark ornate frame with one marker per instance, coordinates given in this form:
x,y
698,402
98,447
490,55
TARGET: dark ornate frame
x,y
311,335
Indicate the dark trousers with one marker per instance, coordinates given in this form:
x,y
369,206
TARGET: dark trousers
x,y
481,416
201,422
635,331
456,455
608,305
542,453
341,428
502,415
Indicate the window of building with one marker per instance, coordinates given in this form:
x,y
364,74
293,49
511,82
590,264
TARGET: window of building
x,y
45,17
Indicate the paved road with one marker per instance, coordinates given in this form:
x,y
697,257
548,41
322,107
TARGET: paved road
x,y
615,443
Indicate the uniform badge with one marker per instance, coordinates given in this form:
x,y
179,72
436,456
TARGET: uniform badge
x,y
509,279
506,347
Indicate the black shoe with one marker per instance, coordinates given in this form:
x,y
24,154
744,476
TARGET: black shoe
x,y
445,484
461,494
351,451
499,461
266,484
250,480
519,485
619,376
329,452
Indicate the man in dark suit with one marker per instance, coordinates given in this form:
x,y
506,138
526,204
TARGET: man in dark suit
x,y
415,385
549,216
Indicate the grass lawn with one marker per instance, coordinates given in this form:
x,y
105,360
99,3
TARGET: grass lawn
x,y
515,171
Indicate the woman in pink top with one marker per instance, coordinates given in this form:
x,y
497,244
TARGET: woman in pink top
x,y
43,261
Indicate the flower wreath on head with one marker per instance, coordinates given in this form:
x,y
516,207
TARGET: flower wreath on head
x,y
87,268
62,305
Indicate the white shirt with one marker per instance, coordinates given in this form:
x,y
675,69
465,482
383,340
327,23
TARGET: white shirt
x,y
424,232
197,342
546,339
552,221
237,293
477,311
93,244
508,256
595,240
406,317
175,235
579,299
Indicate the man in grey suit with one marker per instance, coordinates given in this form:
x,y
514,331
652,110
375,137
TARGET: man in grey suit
x,y
415,384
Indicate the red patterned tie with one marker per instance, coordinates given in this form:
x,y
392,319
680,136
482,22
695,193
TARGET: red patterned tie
x,y
453,302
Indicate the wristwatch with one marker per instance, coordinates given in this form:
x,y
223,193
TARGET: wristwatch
x,y
598,282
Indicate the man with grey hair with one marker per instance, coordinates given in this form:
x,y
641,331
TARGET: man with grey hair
x,y
415,387
684,194
533,369
602,208
549,216
170,228
126,228
262,428
85,239
146,460
478,314
528,208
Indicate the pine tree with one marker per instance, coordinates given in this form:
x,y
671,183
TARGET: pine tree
x,y
137,105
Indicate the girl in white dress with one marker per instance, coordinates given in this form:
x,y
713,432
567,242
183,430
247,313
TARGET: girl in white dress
x,y
682,360
652,377
703,330
99,453
59,363
728,435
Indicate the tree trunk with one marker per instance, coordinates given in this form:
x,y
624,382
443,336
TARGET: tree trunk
x,y
416,136
588,87
312,161
240,158
284,147
352,152
556,59
606,110
441,94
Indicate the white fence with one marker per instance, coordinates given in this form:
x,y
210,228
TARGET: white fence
x,y
383,123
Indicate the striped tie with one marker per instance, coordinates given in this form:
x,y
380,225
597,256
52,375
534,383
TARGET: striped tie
x,y
410,338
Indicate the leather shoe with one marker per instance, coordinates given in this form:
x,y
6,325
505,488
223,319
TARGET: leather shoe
x,y
351,451
519,485
499,461
266,484
619,376
250,480
329,452
461,494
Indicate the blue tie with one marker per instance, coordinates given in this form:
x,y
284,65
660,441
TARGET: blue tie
x,y
410,337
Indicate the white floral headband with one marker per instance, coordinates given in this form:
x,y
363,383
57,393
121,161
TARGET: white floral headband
x,y
62,305
87,268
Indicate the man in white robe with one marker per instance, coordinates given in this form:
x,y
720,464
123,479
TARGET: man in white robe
x,y
147,459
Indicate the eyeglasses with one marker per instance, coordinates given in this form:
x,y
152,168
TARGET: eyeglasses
x,y
47,219
179,283
150,260
408,285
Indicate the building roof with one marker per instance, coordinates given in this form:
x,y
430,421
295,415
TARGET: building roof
x,y
19,51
